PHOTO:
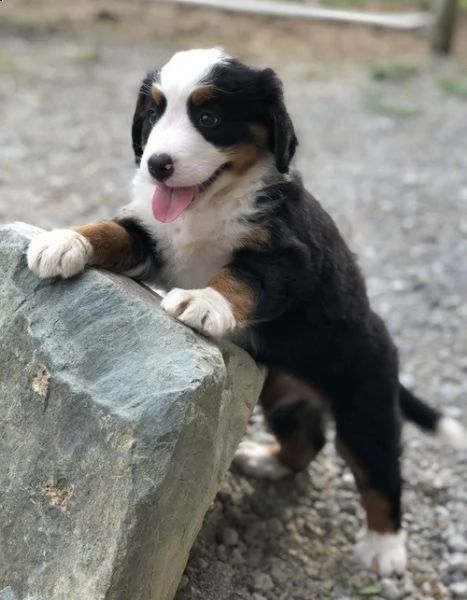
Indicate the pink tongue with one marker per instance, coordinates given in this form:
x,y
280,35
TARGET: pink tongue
x,y
169,203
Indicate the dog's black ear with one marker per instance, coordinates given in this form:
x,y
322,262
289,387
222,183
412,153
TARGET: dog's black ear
x,y
140,114
282,138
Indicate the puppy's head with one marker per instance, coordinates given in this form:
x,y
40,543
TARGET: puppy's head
x,y
203,117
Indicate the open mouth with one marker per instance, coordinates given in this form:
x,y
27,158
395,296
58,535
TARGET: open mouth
x,y
168,203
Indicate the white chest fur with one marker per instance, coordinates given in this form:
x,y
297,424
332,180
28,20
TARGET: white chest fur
x,y
201,240
197,245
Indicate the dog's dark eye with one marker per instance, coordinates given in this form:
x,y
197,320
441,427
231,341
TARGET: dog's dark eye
x,y
208,119
153,117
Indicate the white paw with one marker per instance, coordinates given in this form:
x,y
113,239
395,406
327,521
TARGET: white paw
x,y
258,460
452,433
58,253
205,310
384,550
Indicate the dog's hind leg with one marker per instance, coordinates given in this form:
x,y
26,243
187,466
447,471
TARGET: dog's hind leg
x,y
368,428
294,415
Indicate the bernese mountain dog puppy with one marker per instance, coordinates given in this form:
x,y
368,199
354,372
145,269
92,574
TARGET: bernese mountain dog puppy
x,y
219,221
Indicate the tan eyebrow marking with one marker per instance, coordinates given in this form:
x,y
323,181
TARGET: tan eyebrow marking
x,y
156,94
201,94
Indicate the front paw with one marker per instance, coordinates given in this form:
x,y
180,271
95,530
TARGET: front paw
x,y
58,253
205,310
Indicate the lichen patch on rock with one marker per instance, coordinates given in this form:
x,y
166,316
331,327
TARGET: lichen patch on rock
x,y
40,382
58,492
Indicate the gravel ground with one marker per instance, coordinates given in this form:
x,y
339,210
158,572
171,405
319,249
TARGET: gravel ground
x,y
389,161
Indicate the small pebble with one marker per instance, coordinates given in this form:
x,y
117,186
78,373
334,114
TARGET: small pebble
x,y
459,589
202,564
458,562
236,557
275,527
426,587
229,537
440,590
263,582
457,543
222,553
278,575
254,557
390,590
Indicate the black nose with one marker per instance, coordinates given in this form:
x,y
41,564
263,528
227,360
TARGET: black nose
x,y
160,166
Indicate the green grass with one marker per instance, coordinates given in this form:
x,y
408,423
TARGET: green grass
x,y
312,73
396,73
9,64
454,87
84,55
11,67
376,103
369,590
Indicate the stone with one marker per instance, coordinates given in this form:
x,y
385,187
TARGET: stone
x,y
409,587
458,562
229,537
390,590
278,574
457,543
118,424
236,557
222,553
262,582
274,528
440,590
459,589
254,557
426,587
7,594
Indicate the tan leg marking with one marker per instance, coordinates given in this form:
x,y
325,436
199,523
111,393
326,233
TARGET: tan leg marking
x,y
111,245
240,297
377,508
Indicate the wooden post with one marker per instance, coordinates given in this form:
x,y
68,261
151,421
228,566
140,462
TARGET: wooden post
x,y
444,24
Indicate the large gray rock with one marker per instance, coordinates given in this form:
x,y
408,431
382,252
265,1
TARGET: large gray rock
x,y
117,424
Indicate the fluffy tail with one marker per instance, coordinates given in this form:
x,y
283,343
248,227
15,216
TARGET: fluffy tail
x,y
431,420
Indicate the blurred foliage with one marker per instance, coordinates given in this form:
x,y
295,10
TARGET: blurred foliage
x,y
454,86
369,590
395,110
396,73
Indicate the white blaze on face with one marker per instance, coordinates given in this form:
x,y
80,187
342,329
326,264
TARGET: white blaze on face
x,y
195,159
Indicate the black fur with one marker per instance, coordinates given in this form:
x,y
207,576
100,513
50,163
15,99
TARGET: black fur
x,y
286,420
146,256
417,411
145,115
242,96
314,321
312,317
